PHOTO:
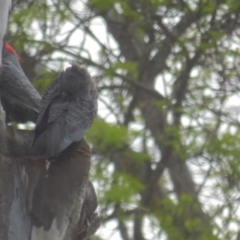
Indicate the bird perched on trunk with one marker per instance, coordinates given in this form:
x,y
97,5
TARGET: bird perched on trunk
x,y
68,108
19,98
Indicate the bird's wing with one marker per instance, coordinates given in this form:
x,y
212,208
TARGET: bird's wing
x,y
15,83
56,127
68,121
80,117
49,97
54,138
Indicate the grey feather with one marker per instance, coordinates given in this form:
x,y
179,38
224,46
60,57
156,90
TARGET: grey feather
x,y
19,98
68,108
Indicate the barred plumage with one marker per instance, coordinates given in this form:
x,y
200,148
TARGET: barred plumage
x,y
68,108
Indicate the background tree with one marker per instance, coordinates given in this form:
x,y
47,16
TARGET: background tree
x,y
166,155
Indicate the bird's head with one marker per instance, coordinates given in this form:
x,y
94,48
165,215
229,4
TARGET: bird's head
x,y
10,56
9,50
75,81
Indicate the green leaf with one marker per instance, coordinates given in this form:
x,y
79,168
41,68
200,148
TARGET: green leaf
x,y
124,188
107,137
129,67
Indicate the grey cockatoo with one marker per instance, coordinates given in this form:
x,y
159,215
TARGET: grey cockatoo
x,y
19,98
68,108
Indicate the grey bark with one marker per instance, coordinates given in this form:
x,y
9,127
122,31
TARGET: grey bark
x,y
37,203
4,12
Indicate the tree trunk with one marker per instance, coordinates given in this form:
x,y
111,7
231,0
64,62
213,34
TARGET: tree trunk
x,y
4,11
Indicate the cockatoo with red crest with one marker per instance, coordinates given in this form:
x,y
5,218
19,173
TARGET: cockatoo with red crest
x,y
19,98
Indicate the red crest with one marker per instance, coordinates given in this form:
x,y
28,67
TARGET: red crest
x,y
10,49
